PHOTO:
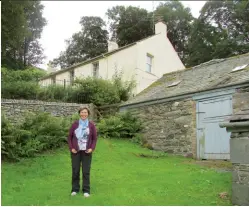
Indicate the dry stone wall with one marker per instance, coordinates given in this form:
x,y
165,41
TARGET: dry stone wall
x,y
170,126
15,110
240,99
239,146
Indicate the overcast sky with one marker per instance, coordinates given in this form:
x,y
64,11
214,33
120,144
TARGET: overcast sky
x,y
63,19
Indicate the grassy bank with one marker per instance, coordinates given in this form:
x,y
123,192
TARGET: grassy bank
x,y
122,174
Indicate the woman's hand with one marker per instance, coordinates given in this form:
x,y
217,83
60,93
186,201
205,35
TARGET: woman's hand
x,y
74,151
89,150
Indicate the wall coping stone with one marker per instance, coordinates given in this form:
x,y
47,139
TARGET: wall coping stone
x,y
239,122
36,102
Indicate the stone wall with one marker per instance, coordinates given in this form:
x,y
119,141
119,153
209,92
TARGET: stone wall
x,y
170,126
240,160
240,99
239,153
239,145
15,110
238,125
108,110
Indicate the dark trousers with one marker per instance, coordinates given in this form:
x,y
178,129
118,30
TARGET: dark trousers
x,y
85,160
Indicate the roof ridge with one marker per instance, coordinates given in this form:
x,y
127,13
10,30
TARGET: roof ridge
x,y
213,61
210,62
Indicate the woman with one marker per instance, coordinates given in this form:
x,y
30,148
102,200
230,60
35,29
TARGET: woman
x,y
82,141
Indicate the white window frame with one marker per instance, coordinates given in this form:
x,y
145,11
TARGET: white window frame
x,y
149,64
96,69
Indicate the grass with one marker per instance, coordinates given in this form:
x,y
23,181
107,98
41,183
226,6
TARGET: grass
x,y
122,174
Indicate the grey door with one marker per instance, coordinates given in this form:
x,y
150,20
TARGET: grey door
x,y
213,141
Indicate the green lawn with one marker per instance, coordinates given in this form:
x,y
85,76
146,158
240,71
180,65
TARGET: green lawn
x,y
119,176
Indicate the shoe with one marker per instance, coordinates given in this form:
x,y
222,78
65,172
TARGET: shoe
x,y
86,195
73,193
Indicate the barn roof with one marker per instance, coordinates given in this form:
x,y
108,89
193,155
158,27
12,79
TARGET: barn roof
x,y
214,74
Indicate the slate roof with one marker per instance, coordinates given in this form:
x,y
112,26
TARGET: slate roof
x,y
210,75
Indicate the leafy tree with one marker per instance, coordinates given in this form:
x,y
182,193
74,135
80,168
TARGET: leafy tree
x,y
221,31
91,41
22,24
202,42
231,16
31,51
13,31
129,24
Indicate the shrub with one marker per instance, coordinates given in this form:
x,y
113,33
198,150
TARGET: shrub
x,y
54,93
28,74
138,139
97,91
131,124
20,84
7,139
74,117
37,133
48,129
122,125
124,88
110,127
19,90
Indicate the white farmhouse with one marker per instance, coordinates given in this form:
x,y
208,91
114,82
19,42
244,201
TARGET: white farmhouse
x,y
144,61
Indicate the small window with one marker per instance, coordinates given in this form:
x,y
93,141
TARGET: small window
x,y
96,69
239,68
175,83
149,63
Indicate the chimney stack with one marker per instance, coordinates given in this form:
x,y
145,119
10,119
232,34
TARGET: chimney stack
x,y
161,27
112,46
50,68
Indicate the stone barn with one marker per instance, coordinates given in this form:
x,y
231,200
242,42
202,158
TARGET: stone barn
x,y
182,110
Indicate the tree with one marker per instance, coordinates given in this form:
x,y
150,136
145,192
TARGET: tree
x,y
202,42
32,52
229,15
221,31
13,31
129,24
179,20
22,24
90,42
